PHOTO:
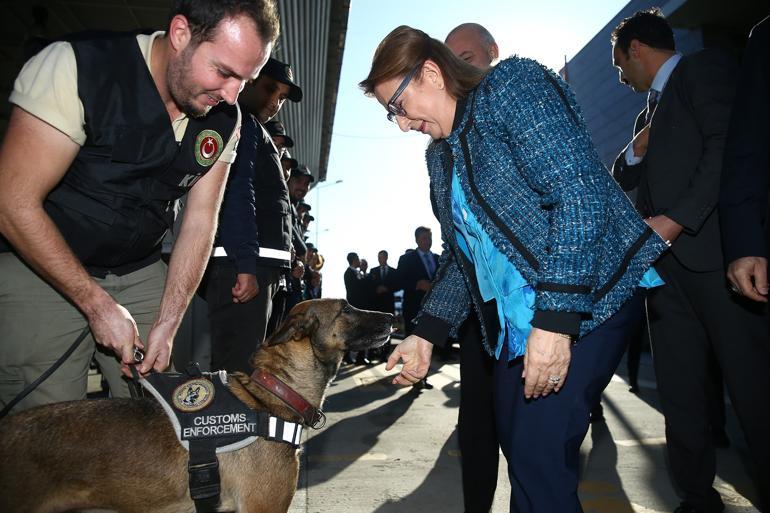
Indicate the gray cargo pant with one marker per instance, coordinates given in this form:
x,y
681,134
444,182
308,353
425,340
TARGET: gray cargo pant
x,y
37,325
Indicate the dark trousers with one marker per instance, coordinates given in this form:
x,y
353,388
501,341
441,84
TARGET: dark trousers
x,y
638,336
477,432
237,329
278,312
691,316
541,437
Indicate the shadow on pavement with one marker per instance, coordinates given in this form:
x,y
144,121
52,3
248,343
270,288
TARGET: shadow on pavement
x,y
361,395
357,435
434,493
601,490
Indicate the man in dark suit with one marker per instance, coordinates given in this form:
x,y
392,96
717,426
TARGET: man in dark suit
x,y
675,161
476,426
354,281
385,282
356,287
416,270
743,200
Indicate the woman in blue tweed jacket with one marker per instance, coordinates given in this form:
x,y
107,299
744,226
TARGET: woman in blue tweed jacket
x,y
540,244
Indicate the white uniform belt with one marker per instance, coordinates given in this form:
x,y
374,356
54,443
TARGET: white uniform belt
x,y
277,254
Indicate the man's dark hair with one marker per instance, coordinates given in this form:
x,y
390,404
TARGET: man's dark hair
x,y
204,16
383,252
648,27
351,257
420,230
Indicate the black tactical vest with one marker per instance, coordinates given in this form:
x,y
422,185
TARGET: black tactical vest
x,y
117,200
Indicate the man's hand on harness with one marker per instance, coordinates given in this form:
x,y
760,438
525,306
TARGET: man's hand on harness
x,y
158,354
113,327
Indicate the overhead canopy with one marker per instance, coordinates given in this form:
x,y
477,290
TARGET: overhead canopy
x,y
312,41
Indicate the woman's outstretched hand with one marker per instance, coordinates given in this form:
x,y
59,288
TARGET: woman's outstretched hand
x,y
415,352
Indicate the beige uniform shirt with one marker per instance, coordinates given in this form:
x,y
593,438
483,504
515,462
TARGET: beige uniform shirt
x,y
47,88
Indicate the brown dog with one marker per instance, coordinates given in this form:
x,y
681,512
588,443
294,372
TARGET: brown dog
x,y
123,454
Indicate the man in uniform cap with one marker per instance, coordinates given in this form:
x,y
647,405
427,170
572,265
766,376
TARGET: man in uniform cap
x,y
252,250
287,163
274,85
277,131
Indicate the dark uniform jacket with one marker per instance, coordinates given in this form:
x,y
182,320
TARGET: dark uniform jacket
x,y
255,220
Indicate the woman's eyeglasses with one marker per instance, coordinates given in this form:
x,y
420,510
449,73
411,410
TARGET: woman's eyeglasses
x,y
396,110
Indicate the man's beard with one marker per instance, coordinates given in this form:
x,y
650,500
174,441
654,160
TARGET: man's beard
x,y
178,74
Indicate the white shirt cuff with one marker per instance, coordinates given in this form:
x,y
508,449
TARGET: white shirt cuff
x,y
632,159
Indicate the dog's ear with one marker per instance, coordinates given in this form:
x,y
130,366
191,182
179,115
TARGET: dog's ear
x,y
294,327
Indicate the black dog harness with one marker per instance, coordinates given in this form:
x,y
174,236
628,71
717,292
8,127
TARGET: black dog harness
x,y
208,419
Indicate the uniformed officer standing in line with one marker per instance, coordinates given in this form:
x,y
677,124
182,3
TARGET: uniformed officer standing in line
x,y
104,136
253,244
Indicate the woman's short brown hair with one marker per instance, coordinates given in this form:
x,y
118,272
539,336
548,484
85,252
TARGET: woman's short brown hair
x,y
405,48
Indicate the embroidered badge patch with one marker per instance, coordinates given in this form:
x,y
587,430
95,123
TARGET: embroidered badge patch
x,y
208,147
193,395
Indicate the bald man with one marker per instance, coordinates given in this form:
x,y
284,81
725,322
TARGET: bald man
x,y
477,433
474,44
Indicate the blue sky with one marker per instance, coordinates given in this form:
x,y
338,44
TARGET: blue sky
x,y
383,195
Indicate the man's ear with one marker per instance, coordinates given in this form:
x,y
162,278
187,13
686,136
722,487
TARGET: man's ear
x,y
494,52
634,48
179,34
295,327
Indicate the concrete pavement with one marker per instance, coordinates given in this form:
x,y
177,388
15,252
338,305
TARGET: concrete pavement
x,y
394,450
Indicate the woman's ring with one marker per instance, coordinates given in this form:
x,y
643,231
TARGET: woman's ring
x,y
554,379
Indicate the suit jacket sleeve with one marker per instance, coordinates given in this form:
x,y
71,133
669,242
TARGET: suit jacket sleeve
x,y
628,176
743,199
707,87
238,230
351,286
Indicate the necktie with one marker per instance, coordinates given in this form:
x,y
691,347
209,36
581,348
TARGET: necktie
x,y
429,265
652,102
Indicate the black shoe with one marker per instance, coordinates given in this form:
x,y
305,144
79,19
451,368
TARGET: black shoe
x,y
363,360
634,389
721,440
422,384
597,414
686,508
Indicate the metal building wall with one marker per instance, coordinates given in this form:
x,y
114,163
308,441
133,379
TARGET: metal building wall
x,y
310,41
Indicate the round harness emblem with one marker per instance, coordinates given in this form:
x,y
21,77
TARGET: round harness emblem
x,y
208,147
193,395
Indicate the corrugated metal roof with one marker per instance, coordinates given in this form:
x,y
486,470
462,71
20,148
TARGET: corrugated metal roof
x,y
312,41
